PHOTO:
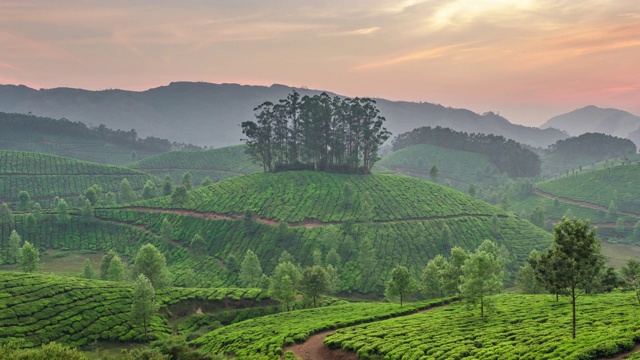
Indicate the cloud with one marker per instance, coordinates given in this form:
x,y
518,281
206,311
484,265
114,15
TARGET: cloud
x,y
412,56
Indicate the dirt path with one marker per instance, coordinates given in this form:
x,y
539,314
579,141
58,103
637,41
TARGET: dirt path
x,y
582,203
314,349
308,223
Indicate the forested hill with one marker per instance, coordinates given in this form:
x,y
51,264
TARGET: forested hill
x,y
507,155
75,139
594,119
208,114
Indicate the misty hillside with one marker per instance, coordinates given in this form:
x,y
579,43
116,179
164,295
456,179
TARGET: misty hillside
x,y
210,114
597,120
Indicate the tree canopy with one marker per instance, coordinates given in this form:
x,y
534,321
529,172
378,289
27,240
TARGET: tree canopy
x,y
316,133
506,154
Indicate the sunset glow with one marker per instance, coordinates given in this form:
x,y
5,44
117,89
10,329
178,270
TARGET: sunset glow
x,y
529,60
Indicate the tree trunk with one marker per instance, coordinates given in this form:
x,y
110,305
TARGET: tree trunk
x,y
481,307
573,305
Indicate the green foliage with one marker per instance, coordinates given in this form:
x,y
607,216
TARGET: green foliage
x,y
401,284
126,192
198,246
13,250
44,176
267,335
149,190
40,308
215,164
87,211
29,258
526,327
187,182
117,270
433,277
320,197
631,276
572,263
6,215
526,280
250,269
482,276
89,273
600,187
62,212
433,173
105,263
179,195
143,304
314,282
167,186
153,265
206,181
51,351
23,200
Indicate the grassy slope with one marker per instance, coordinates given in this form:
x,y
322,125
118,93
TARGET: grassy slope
x,y
217,164
461,168
619,183
40,308
300,195
524,327
269,334
43,176
409,218
73,147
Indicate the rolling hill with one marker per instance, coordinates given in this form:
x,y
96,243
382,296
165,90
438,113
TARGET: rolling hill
x,y
407,220
217,164
208,114
46,176
38,308
460,168
75,139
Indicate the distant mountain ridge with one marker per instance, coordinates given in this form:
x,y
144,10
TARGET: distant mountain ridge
x,y
597,120
210,114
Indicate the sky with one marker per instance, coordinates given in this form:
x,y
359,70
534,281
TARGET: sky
x,y
528,60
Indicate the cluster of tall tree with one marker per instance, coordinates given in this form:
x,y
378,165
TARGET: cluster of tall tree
x,y
506,154
594,144
316,133
31,123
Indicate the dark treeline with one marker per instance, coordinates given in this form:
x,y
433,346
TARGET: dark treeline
x,y
64,127
594,144
506,154
316,133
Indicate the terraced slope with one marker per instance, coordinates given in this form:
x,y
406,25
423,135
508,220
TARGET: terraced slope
x,y
217,164
39,308
523,327
409,217
45,176
618,184
460,168
302,195
268,335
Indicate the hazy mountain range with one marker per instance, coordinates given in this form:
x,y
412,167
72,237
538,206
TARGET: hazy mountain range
x,y
210,114
594,119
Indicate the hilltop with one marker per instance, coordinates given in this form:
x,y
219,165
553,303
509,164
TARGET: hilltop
x,y
208,114
386,220
46,176
594,119
217,164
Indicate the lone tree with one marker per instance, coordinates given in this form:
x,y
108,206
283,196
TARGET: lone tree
x,y
104,264
482,275
198,246
63,212
433,277
179,195
88,270
6,215
29,258
187,182
153,265
149,190
126,192
144,306
433,173
314,282
23,200
401,284
166,230
572,263
116,271
250,270
13,252
167,186
631,276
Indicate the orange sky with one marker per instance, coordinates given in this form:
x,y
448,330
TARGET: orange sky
x,y
529,60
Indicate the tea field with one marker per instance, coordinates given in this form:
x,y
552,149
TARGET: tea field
x,y
37,309
523,327
268,335
46,176
301,195
217,164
